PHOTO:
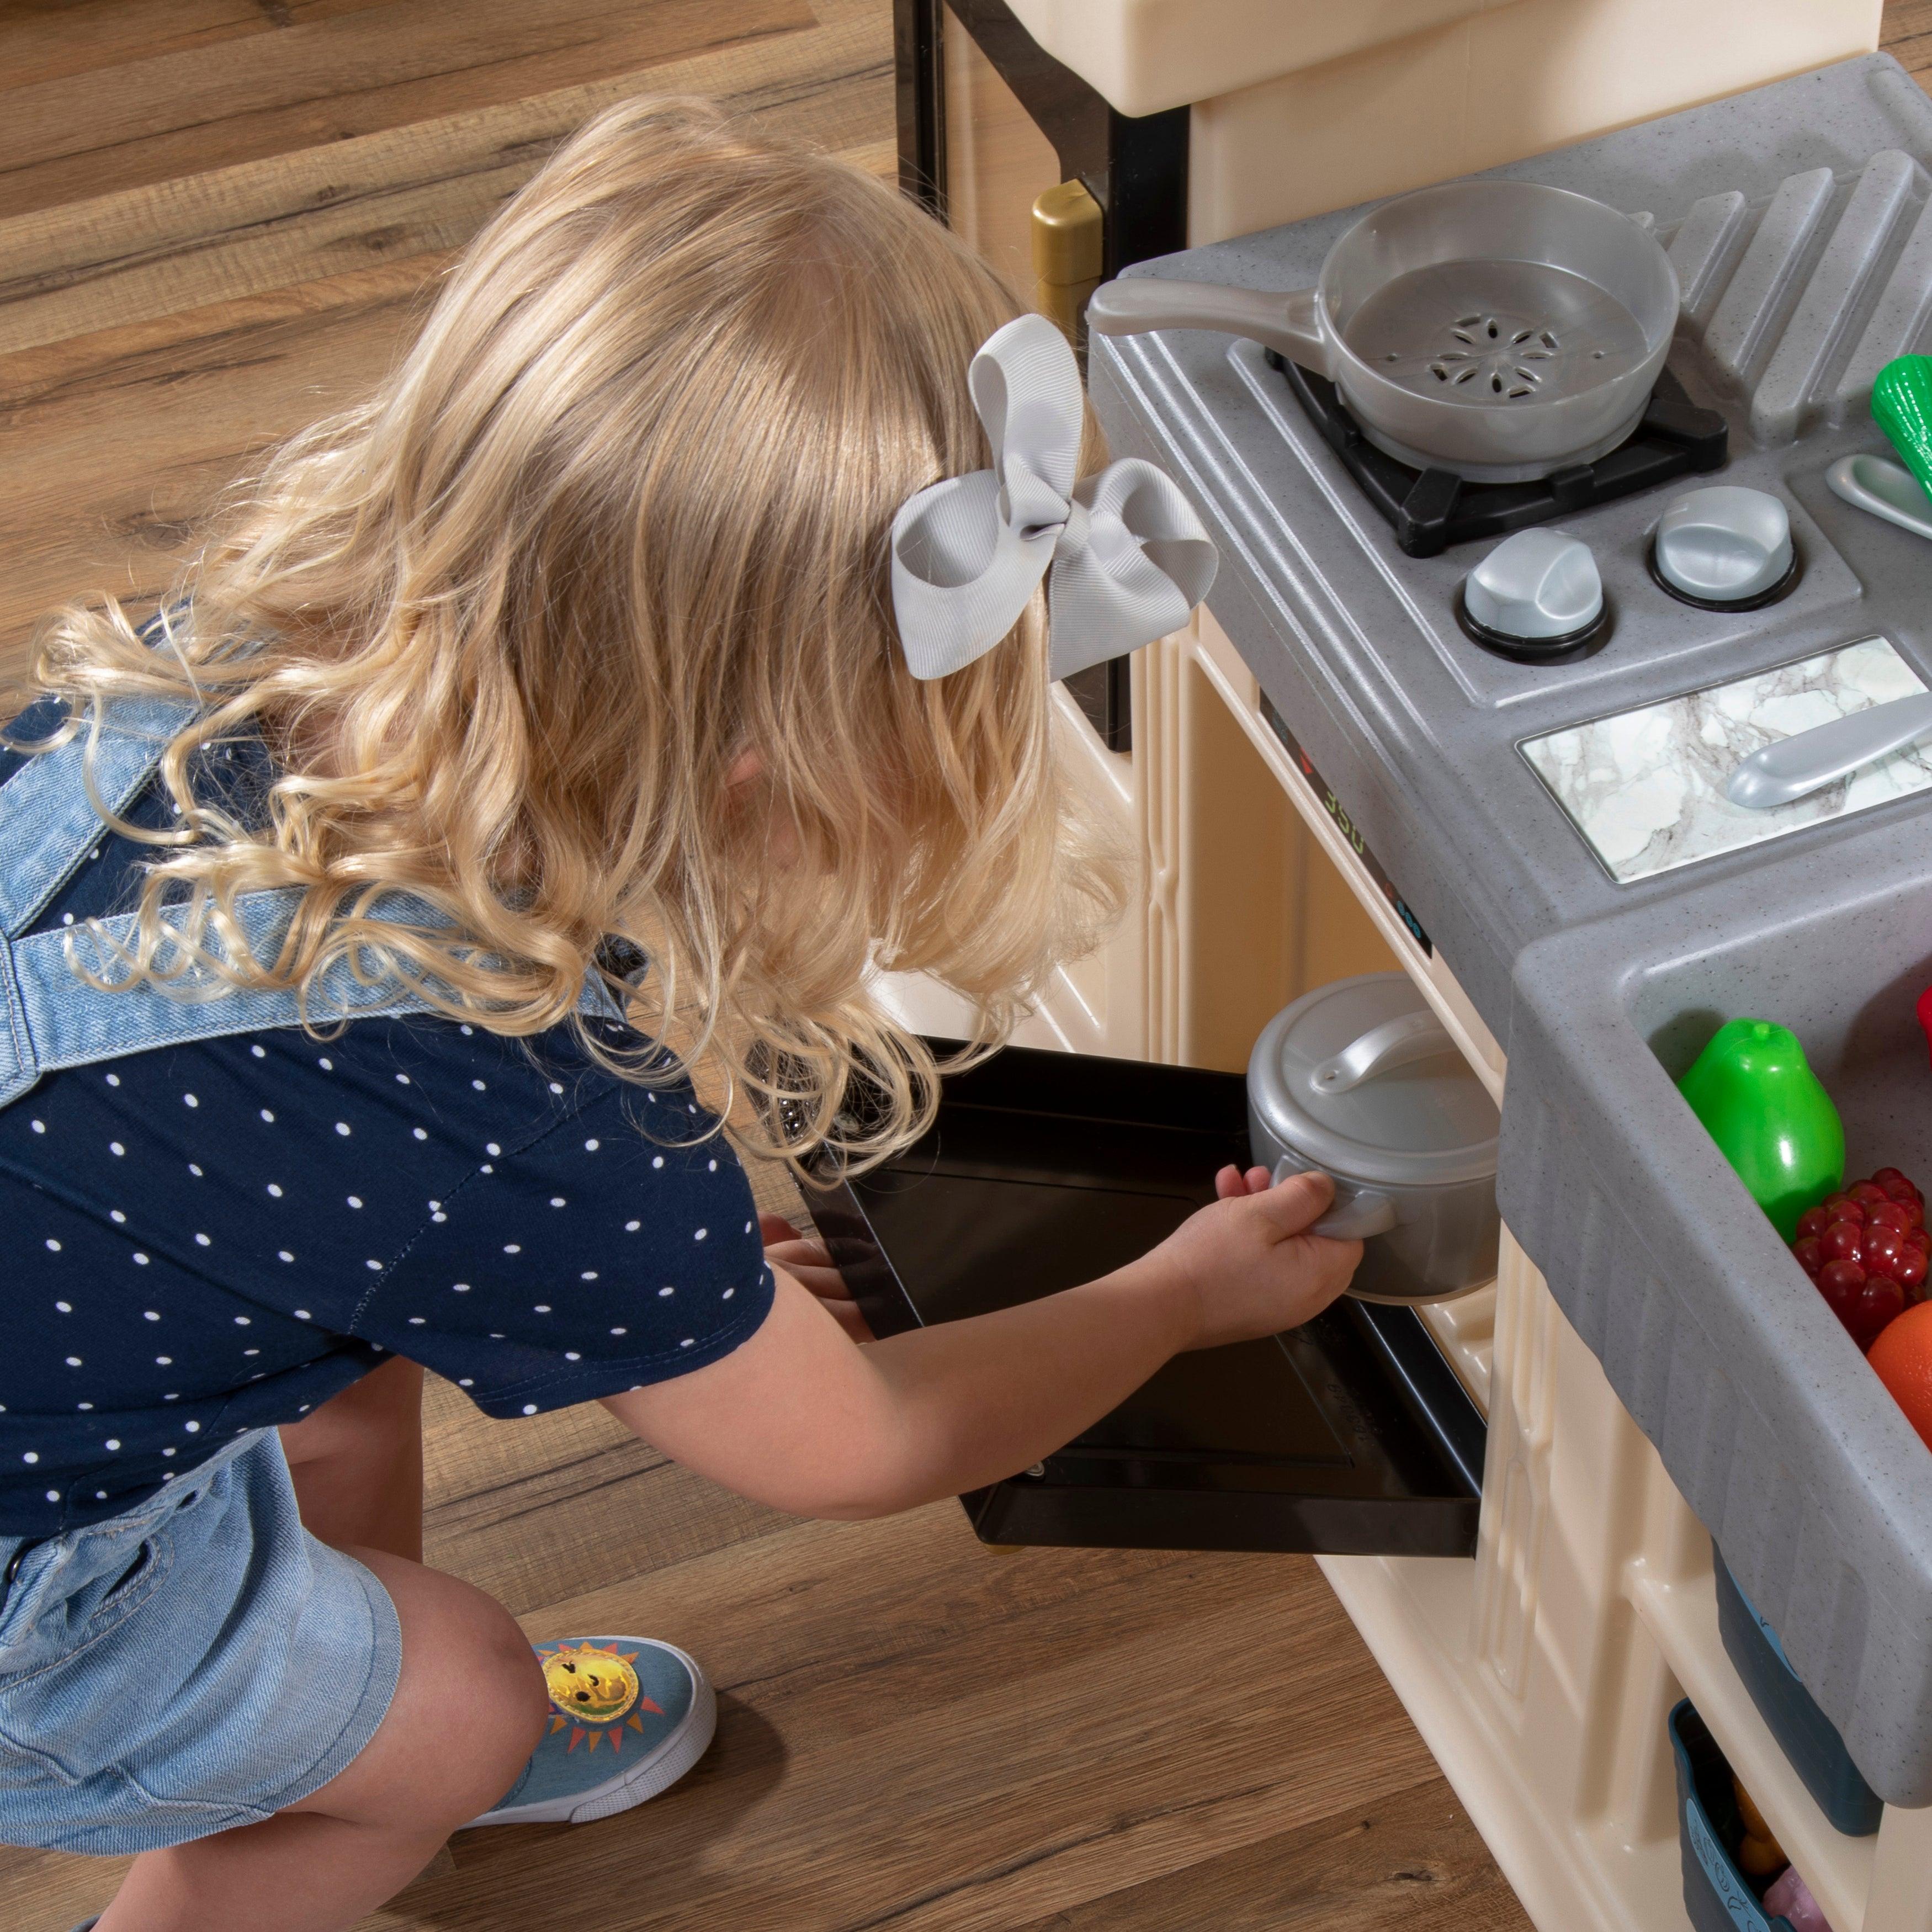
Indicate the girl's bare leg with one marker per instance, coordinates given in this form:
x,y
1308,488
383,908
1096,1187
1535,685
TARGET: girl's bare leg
x,y
468,1711
357,1464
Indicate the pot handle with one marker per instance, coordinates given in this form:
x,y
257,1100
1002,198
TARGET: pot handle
x,y
1396,1043
1291,323
1355,1213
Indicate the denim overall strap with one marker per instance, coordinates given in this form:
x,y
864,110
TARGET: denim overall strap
x,y
48,822
53,1015
50,1016
70,1021
56,1018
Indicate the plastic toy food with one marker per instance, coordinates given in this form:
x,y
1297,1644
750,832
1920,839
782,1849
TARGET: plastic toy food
x,y
1763,1105
1901,406
1902,1356
1790,1897
1760,1854
1867,1250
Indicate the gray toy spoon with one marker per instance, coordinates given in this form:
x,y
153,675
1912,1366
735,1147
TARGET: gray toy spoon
x,y
1806,761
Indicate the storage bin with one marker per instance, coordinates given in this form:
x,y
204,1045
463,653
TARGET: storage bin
x,y
1718,1896
1805,1735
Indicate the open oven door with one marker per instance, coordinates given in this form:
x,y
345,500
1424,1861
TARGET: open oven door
x,y
1350,1435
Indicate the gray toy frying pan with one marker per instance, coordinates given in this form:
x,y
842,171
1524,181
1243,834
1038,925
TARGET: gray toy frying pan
x,y
1497,329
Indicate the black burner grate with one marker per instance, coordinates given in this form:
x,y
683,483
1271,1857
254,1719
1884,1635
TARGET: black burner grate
x,y
1431,509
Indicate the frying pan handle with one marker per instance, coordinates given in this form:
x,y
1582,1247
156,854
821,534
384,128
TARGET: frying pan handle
x,y
1291,323
1355,1213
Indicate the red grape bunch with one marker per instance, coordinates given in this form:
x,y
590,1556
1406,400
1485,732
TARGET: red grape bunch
x,y
1866,1249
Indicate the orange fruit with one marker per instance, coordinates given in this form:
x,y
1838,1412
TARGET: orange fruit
x,y
1902,1357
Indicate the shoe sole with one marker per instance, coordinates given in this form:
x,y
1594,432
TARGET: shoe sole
x,y
675,1756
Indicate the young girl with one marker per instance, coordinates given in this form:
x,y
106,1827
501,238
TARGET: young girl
x,y
562,736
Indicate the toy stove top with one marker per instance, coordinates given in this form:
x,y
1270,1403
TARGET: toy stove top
x,y
1799,219
1431,510
1796,292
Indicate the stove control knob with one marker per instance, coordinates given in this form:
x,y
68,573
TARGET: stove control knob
x,y
1724,545
1536,586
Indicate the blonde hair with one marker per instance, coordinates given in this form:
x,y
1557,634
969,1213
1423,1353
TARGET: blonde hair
x,y
618,519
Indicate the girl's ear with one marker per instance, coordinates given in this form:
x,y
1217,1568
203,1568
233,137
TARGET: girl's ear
x,y
746,766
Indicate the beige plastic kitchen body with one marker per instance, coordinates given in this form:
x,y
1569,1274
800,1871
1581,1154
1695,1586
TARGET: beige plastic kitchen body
x,y
1540,1673
1144,55
1301,106
1482,88
1497,329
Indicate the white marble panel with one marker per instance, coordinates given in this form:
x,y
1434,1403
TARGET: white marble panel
x,y
1646,788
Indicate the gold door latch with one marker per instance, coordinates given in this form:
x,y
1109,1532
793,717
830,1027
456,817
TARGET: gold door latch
x,y
1065,254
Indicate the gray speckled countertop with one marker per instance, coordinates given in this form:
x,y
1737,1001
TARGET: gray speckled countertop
x,y
1416,728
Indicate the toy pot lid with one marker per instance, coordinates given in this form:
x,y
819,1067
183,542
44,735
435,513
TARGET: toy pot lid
x,y
1359,1078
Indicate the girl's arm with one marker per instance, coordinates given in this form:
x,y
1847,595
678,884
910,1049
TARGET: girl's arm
x,y
800,1417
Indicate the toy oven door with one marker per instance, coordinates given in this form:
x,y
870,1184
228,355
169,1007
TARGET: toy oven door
x,y
1349,1436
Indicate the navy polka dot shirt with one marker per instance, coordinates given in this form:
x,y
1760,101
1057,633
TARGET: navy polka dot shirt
x,y
218,1237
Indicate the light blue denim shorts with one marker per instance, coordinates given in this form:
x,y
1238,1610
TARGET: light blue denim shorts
x,y
198,1663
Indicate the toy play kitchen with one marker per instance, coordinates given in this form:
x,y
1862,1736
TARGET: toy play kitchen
x,y
1066,138
1575,715
1639,726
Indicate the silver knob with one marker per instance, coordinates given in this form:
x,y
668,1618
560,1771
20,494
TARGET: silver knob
x,y
1724,545
1535,585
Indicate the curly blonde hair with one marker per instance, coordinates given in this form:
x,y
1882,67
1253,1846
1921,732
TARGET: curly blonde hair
x,y
578,631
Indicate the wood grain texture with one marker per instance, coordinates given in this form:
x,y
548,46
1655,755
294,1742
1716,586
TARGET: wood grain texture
x,y
550,1506
324,76
163,339
1406,1860
1907,34
918,1733
407,191
114,446
57,38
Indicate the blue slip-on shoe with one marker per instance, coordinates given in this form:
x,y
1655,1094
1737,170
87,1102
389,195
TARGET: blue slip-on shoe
x,y
628,1717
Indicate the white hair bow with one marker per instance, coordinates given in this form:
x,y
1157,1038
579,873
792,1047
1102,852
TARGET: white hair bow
x,y
1128,556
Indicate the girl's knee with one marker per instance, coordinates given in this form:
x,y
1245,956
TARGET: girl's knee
x,y
469,1700
526,1696
507,1698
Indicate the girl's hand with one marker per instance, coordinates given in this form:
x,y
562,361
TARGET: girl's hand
x,y
1231,1184
1246,1266
809,1264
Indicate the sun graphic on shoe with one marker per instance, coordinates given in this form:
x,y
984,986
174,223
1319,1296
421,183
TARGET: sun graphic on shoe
x,y
595,1691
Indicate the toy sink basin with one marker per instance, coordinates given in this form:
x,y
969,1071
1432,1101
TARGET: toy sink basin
x,y
1766,1415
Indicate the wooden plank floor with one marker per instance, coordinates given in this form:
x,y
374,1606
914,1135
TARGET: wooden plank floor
x,y
156,334
219,218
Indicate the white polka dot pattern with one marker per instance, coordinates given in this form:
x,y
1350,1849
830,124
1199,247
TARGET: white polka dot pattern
x,y
294,1209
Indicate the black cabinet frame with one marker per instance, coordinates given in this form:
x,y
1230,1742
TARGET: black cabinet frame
x,y
1134,166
